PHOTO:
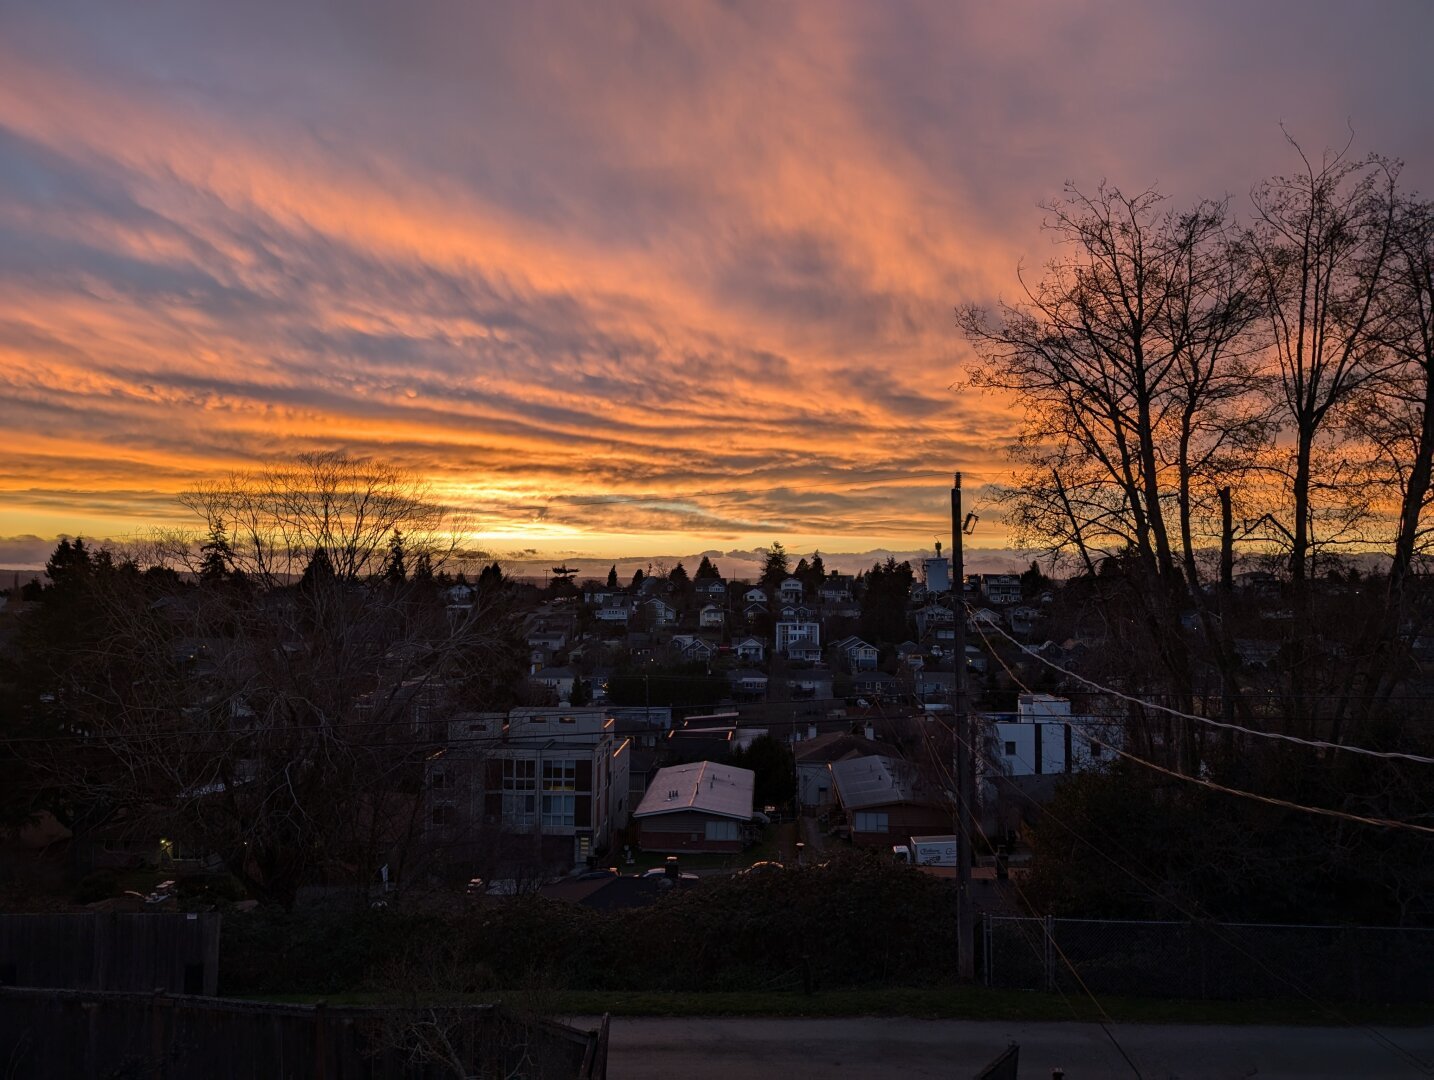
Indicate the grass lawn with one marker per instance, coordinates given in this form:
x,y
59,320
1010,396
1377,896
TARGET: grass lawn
x,y
940,1003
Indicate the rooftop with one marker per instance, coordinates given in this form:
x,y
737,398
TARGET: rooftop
x,y
873,781
705,786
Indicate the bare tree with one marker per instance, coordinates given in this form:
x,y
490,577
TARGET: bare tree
x,y
276,518
1132,361
1394,414
1319,251
281,727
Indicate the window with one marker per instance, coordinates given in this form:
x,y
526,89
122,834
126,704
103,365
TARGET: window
x,y
567,719
1010,749
477,725
724,830
560,775
1096,750
438,781
519,787
869,822
558,809
560,778
442,815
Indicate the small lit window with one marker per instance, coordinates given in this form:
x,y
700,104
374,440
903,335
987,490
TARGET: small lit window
x,y
567,719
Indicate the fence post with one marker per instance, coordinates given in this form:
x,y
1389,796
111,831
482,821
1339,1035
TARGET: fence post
x,y
1049,925
986,943
321,1040
156,1033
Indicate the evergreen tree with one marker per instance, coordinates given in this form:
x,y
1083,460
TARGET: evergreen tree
x,y
886,592
816,574
1033,581
706,570
637,579
216,558
774,569
423,568
612,577
397,569
581,694
70,565
771,761
491,577
679,578
319,572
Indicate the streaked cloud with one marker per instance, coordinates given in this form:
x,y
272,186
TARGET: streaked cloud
x,y
601,273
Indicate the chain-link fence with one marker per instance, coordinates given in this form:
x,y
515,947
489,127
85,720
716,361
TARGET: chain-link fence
x,y
1355,964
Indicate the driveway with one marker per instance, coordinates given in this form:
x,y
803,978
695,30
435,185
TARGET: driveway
x,y
759,1049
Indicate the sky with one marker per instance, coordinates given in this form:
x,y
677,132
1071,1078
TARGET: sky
x,y
615,279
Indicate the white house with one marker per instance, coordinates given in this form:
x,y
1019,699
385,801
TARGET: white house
x,y
752,650
1023,620
806,634
792,590
1042,738
543,638
754,596
557,679
748,682
1001,588
616,609
711,617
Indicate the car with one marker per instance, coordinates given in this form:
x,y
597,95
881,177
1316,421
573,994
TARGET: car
x,y
598,874
763,866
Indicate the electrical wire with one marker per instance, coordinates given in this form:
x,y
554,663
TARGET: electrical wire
x,y
1318,744
1408,1056
1106,1022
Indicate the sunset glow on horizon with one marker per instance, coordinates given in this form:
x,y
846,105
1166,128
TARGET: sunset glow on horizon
x,y
613,279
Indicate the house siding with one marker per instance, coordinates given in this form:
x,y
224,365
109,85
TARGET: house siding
x,y
903,820
682,831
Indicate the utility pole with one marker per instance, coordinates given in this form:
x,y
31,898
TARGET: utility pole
x,y
961,719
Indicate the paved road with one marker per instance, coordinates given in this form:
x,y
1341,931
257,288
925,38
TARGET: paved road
x,y
737,1049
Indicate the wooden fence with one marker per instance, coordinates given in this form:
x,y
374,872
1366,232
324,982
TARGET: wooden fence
x,y
141,952
88,1035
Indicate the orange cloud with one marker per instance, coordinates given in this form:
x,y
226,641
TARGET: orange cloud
x,y
602,275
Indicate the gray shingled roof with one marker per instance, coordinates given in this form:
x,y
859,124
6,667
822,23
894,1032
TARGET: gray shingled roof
x,y
873,781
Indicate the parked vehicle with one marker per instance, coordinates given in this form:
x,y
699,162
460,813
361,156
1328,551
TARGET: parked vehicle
x,y
762,866
927,851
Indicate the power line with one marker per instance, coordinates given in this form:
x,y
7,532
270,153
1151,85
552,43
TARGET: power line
x,y
1378,1037
1318,744
1271,800
1106,1022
